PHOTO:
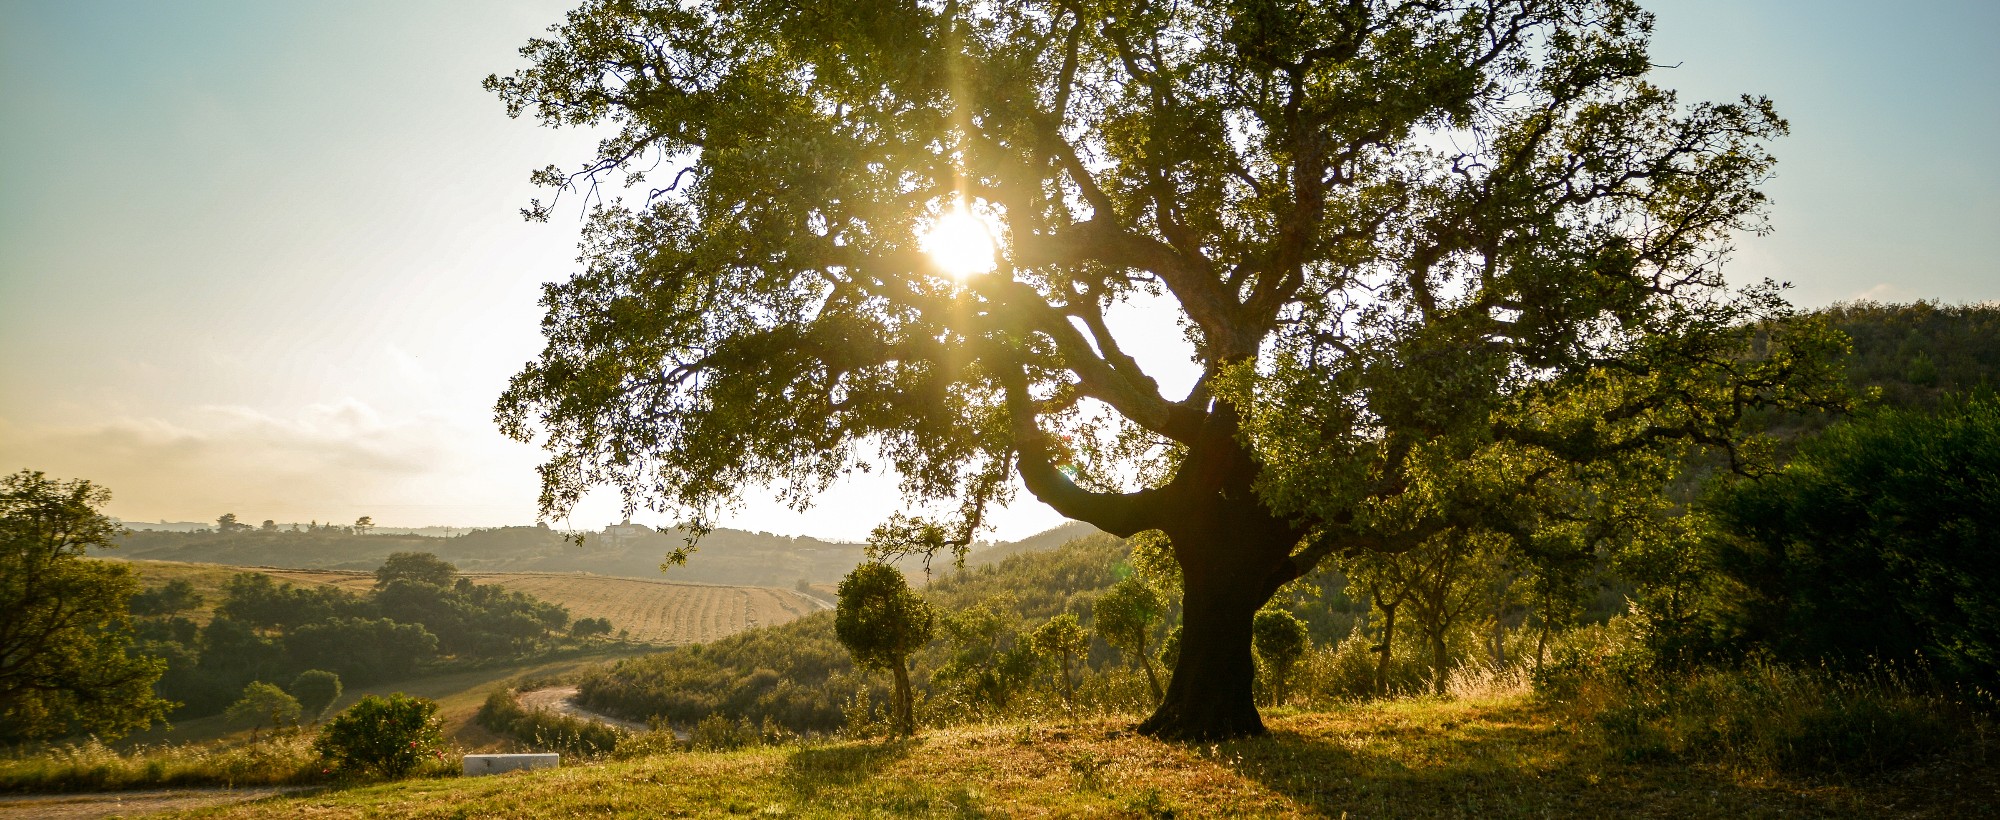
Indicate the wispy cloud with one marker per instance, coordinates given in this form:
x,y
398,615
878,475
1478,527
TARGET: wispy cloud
x,y
322,461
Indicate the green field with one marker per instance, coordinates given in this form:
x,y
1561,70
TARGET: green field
x,y
1499,756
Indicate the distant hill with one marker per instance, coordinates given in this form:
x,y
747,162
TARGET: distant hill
x,y
1916,354
726,556
640,610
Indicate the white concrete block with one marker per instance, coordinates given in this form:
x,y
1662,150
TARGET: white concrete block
x,y
495,764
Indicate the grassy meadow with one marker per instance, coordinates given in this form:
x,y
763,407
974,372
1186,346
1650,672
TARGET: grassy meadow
x,y
1497,753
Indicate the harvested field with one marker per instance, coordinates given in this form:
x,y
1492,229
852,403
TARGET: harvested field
x,y
663,612
649,611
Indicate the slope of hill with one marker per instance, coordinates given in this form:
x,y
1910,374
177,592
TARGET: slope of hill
x,y
726,556
645,610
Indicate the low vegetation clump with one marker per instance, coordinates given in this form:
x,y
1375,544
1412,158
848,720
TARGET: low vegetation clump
x,y
285,758
1762,717
543,730
388,736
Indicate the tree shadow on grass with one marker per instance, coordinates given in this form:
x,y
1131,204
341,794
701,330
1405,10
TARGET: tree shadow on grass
x,y
1495,768
809,770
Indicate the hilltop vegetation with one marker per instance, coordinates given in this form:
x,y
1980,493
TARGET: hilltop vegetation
x,y
727,556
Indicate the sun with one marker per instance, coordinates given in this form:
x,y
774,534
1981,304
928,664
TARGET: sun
x,y
960,242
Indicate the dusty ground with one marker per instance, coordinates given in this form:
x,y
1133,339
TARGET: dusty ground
x,y
125,804
562,699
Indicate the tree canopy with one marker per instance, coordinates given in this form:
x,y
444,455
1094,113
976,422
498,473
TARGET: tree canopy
x,y
66,635
1443,266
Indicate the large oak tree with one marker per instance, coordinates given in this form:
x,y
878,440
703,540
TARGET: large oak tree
x,y
1446,267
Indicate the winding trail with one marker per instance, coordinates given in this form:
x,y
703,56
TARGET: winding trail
x,y
562,700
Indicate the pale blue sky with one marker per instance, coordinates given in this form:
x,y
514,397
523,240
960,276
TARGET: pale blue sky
x,y
265,257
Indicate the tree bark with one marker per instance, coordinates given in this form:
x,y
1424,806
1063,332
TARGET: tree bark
x,y
1440,657
1146,663
905,717
1233,555
1388,645
1210,696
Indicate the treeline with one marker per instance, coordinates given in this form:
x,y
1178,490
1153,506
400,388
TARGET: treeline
x,y
419,615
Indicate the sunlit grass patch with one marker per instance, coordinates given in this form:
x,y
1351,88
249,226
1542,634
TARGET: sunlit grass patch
x,y
1502,756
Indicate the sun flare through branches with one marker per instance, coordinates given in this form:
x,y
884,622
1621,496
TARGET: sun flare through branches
x,y
960,242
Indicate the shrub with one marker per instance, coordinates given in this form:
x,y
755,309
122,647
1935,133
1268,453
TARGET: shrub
x,y
1764,717
388,736
719,733
1280,640
316,690
547,731
262,703
1875,542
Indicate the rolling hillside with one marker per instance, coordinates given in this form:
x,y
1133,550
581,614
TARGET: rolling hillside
x,y
648,611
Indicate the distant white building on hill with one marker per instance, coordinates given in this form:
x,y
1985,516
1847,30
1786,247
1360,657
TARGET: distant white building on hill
x,y
624,534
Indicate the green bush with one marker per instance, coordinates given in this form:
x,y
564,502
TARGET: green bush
x,y
1876,542
316,689
263,704
387,736
1280,641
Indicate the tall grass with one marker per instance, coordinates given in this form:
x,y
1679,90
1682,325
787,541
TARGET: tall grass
x,y
1763,717
273,760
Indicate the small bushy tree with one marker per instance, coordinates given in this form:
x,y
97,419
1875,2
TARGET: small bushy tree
x,y
590,627
881,622
1061,641
263,704
387,736
1125,615
1280,640
316,689
990,660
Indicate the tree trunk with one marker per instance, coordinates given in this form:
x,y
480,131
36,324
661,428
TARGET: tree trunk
x,y
1439,658
1152,677
1541,646
1210,696
905,718
1233,553
1068,685
1388,646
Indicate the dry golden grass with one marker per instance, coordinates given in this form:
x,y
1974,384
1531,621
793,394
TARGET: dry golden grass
x,y
1492,757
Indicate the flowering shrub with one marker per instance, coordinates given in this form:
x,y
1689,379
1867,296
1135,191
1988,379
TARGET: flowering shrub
x,y
388,736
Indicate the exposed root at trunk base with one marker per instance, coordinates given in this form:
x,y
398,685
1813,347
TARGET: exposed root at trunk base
x,y
1173,725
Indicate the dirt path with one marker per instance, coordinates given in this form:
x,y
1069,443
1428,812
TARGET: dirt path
x,y
562,700
97,805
